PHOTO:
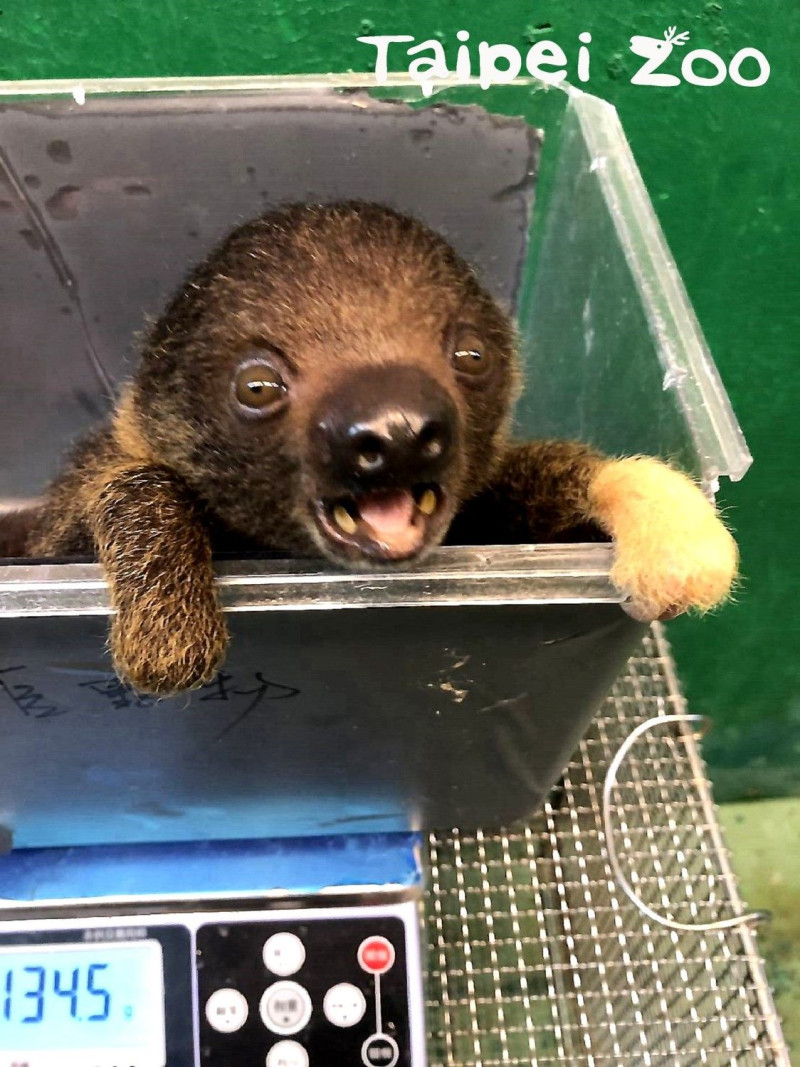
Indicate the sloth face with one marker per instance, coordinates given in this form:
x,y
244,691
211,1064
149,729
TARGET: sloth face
x,y
384,458
332,380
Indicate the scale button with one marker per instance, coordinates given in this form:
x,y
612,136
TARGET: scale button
x,y
285,1008
376,955
287,1054
344,1005
380,1050
226,1010
284,954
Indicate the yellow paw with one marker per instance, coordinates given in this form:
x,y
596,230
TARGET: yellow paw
x,y
673,552
170,649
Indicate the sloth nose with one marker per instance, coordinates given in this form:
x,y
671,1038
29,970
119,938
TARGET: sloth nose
x,y
397,441
386,427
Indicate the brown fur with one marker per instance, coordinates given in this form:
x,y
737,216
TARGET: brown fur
x,y
176,472
15,532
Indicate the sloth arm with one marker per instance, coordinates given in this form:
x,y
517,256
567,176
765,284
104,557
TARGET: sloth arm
x,y
538,493
672,553
167,632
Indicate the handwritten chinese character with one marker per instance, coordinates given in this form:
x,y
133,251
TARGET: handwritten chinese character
x,y
26,698
118,695
225,687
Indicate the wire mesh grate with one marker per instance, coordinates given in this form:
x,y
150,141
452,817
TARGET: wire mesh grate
x,y
535,957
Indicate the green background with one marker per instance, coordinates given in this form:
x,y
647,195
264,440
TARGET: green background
x,y
718,164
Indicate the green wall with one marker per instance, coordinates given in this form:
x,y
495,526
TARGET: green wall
x,y
718,164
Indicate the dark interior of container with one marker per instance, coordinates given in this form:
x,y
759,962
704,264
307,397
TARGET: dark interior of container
x,y
105,207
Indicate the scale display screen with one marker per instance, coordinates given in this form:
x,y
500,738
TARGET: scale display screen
x,y
59,1002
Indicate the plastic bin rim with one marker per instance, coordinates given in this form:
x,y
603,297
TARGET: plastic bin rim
x,y
80,88
453,576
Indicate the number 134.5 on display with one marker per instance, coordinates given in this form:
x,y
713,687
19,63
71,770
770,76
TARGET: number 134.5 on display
x,y
63,1001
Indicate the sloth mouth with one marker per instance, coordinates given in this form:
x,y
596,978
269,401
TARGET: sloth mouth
x,y
391,525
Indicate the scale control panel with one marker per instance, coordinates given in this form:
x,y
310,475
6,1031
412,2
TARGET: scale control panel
x,y
279,987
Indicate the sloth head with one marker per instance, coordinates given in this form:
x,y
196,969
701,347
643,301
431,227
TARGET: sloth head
x,y
332,379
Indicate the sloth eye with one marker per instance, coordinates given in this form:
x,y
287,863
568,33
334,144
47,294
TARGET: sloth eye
x,y
259,388
470,357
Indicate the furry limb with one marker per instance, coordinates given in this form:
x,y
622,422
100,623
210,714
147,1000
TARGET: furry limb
x,y
538,492
673,552
168,633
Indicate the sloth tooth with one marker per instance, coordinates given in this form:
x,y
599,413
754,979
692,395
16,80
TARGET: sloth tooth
x,y
427,502
344,519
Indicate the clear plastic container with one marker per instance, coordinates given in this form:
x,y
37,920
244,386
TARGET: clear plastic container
x,y
449,695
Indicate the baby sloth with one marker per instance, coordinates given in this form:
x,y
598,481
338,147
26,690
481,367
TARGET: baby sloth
x,y
333,380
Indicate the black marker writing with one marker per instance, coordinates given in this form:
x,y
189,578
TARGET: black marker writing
x,y
26,698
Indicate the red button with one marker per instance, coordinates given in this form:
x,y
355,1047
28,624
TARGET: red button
x,y
376,955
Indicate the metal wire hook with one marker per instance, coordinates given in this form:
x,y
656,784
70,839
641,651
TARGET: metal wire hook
x,y
748,918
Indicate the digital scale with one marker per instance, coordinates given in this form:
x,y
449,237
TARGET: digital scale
x,y
253,975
